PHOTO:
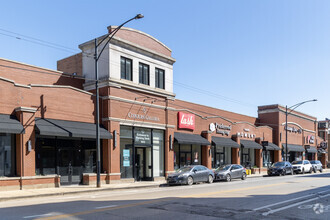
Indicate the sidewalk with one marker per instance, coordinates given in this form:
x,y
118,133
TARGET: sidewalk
x,y
75,189
67,190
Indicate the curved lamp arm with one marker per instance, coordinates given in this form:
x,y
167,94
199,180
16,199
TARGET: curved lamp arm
x,y
112,33
299,104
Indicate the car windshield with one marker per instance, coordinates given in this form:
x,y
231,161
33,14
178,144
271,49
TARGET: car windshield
x,y
279,164
183,169
225,167
313,162
297,162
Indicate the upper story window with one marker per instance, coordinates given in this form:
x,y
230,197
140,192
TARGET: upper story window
x,y
144,73
126,68
160,78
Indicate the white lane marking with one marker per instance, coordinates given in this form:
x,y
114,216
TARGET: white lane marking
x,y
43,215
109,206
289,200
293,205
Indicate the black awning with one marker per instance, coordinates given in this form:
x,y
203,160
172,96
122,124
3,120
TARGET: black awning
x,y
224,142
9,124
250,144
294,148
60,128
311,150
270,146
183,138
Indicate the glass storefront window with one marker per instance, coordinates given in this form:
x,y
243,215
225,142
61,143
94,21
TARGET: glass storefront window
x,y
158,153
247,157
126,158
220,156
7,155
197,154
186,154
266,159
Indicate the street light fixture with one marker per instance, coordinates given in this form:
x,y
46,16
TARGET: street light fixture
x,y
96,59
286,122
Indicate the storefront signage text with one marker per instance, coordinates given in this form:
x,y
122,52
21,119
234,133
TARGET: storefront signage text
x,y
220,128
186,121
293,129
246,135
142,138
143,116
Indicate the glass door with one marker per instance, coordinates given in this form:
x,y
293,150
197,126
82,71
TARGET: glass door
x,y
70,167
143,163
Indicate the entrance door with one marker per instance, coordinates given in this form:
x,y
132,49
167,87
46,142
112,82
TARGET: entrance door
x,y
220,159
143,163
70,167
185,159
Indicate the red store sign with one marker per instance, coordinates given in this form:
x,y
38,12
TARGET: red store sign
x,y
186,121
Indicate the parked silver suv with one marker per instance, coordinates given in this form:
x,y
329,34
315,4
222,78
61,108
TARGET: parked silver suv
x,y
317,166
302,166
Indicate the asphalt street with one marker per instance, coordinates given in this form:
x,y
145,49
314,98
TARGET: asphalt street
x,y
289,197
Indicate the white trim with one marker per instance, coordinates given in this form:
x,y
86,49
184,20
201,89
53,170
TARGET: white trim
x,y
126,84
138,123
15,84
26,109
133,102
293,123
114,174
60,86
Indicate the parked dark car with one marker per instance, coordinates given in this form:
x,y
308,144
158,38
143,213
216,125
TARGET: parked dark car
x,y
191,174
229,172
280,169
317,166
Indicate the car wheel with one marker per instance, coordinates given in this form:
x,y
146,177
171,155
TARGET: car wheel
x,y
283,173
321,170
244,176
190,180
228,178
210,180
314,169
311,170
303,171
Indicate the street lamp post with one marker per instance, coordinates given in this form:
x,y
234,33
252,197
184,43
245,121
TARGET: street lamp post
x,y
96,59
286,123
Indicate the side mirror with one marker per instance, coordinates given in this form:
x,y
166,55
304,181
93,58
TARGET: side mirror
x,y
194,171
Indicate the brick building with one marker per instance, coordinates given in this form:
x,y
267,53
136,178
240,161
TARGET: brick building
x,y
47,126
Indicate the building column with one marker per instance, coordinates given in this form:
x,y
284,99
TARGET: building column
x,y
206,150
169,151
258,154
235,152
25,143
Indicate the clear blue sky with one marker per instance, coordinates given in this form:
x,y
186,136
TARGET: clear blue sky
x,y
232,55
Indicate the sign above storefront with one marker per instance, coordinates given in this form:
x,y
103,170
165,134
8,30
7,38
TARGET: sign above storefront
x,y
310,139
246,135
293,129
186,120
220,128
143,116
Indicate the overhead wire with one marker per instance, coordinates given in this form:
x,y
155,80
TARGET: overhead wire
x,y
89,55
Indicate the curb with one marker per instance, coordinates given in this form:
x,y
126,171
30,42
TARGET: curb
x,y
79,192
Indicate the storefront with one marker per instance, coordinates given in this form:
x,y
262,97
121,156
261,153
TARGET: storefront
x,y
9,127
222,151
295,152
268,152
141,153
311,153
188,149
66,148
248,155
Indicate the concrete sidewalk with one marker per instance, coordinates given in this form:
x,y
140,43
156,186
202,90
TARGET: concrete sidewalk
x,y
75,189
